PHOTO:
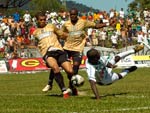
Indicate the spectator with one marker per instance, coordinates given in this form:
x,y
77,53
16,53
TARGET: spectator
x,y
140,37
114,40
16,16
103,35
10,44
20,41
2,46
129,36
121,13
94,38
27,19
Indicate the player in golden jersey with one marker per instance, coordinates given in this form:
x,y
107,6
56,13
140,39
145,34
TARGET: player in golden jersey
x,y
75,42
52,51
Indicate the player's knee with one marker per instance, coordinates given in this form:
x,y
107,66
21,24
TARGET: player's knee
x,y
120,76
56,69
70,71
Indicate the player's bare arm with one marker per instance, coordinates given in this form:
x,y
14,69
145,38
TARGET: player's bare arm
x,y
60,33
111,66
94,89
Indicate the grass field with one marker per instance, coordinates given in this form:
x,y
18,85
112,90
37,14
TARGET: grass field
x,y
21,93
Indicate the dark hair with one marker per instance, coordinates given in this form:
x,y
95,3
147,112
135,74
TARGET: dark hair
x,y
41,13
92,53
75,9
93,56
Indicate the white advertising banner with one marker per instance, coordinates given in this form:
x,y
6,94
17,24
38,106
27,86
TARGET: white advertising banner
x,y
126,62
3,67
137,60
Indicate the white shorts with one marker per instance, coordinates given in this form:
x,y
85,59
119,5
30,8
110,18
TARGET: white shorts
x,y
109,78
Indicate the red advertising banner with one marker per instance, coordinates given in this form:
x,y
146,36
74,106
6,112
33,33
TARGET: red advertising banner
x,y
83,62
32,64
27,64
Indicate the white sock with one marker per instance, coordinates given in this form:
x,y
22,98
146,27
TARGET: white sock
x,y
126,53
124,73
122,55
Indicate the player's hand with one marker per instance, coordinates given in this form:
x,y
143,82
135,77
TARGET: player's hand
x,y
114,66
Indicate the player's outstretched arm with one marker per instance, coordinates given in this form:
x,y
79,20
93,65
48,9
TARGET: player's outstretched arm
x,y
94,89
60,33
111,66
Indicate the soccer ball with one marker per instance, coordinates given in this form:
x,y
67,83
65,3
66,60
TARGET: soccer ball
x,y
77,80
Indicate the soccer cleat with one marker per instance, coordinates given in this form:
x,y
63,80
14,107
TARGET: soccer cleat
x,y
138,48
65,94
73,91
47,88
130,69
69,91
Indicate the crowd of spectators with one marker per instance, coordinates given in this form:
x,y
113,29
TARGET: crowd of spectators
x,y
127,29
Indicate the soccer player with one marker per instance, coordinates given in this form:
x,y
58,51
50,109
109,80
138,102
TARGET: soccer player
x,y
52,51
99,69
75,42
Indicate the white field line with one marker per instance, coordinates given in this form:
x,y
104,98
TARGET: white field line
x,y
91,111
23,94
129,109
81,93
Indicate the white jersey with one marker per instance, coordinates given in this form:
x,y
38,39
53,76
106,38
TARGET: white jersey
x,y
114,39
100,73
140,38
2,43
121,13
27,17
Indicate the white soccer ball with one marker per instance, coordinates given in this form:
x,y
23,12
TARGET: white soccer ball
x,y
77,80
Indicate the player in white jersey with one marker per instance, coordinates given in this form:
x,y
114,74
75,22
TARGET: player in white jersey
x,y
99,69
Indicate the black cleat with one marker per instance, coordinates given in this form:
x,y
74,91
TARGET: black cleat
x,y
130,69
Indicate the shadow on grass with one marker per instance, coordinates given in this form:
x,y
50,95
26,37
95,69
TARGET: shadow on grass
x,y
54,95
111,95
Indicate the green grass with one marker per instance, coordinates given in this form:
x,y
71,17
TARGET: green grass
x,y
21,93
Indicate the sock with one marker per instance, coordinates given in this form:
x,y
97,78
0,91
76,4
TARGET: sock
x,y
122,55
124,73
51,77
75,69
126,53
70,83
60,81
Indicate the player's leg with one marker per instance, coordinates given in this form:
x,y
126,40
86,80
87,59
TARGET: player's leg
x,y
113,77
52,62
125,54
77,58
69,70
67,66
128,70
50,82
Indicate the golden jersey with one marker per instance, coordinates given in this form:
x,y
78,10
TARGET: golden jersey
x,y
77,37
47,39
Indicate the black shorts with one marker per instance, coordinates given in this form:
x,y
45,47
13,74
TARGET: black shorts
x,y
59,55
75,55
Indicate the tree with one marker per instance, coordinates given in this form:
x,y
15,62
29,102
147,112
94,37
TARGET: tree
x,y
43,5
140,4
